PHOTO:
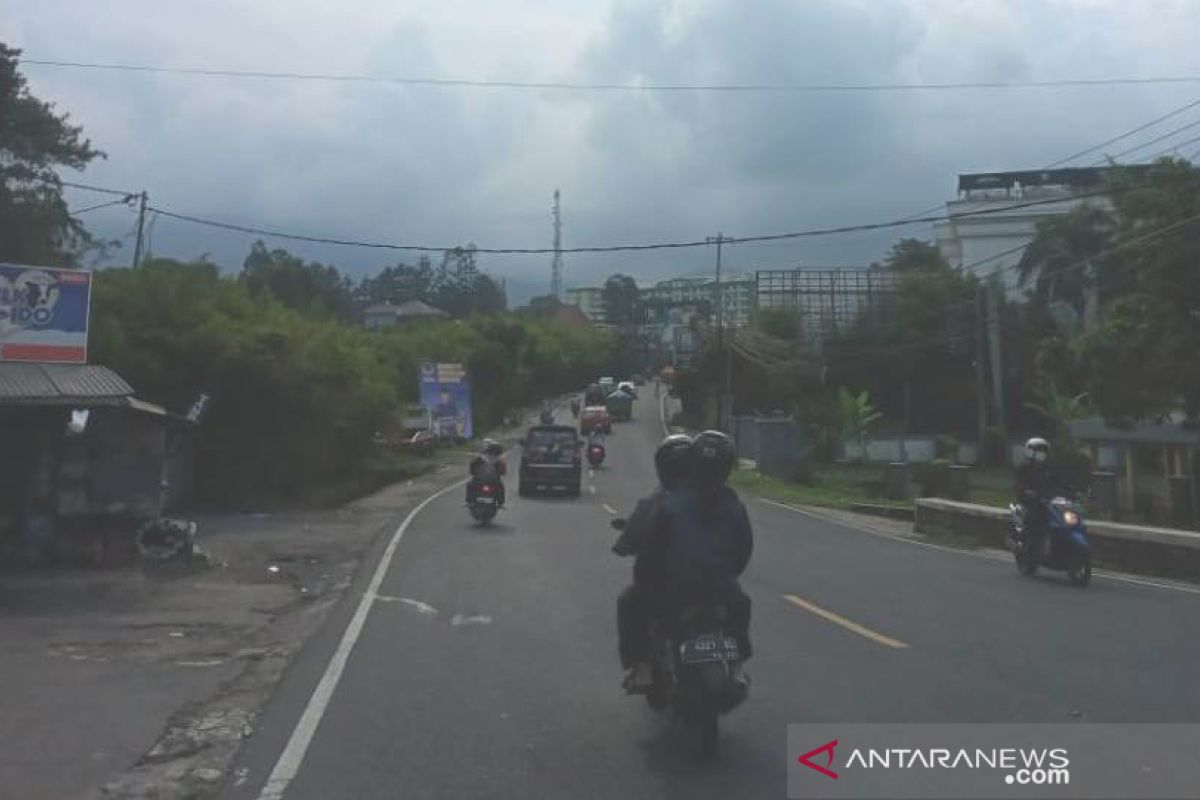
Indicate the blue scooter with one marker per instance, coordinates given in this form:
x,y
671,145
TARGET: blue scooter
x,y
1065,546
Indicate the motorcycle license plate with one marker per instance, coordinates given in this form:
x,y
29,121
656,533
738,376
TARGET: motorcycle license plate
x,y
487,501
705,649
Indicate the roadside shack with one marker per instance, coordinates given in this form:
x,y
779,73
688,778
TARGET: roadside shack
x,y
84,462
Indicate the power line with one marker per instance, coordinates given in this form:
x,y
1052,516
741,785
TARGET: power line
x,y
615,248
1126,134
1174,147
614,87
1156,140
122,201
100,189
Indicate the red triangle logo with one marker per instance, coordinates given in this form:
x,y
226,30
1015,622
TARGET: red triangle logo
x,y
826,748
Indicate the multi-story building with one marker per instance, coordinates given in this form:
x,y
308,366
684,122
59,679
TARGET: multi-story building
x,y
589,300
992,242
825,300
738,295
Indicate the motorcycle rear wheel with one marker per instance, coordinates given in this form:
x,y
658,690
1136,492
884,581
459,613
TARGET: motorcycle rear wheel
x,y
1080,573
708,728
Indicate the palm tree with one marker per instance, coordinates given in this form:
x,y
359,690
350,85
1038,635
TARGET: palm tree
x,y
1063,262
1059,409
855,415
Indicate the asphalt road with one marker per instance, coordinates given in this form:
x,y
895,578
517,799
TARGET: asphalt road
x,y
505,683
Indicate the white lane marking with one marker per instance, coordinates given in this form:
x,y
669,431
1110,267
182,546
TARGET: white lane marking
x,y
1113,576
591,473
293,754
421,606
591,489
609,508
479,619
662,414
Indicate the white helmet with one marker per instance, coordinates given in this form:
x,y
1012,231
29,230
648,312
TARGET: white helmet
x,y
1037,449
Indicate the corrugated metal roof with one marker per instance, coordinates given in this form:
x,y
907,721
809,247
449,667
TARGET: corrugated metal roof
x,y
62,384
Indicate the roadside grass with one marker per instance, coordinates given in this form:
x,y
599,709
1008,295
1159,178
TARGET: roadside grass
x,y
840,486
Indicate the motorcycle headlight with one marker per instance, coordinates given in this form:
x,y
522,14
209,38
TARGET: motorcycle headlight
x,y
1071,518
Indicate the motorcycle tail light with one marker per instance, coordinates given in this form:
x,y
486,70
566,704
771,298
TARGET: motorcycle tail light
x,y
487,489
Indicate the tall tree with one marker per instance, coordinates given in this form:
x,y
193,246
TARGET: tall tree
x,y
622,301
307,287
35,224
1065,261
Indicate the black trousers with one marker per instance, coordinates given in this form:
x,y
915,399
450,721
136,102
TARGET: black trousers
x,y
639,603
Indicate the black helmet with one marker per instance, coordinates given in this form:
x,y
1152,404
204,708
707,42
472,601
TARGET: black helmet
x,y
712,457
672,458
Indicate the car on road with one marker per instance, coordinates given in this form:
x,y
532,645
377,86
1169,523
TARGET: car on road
x,y
595,418
551,458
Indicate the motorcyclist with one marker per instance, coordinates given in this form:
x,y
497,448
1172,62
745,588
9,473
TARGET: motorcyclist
x,y
643,538
575,407
547,415
487,467
697,544
1037,483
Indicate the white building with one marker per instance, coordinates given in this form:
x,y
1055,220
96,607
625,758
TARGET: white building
x,y
589,300
738,294
992,243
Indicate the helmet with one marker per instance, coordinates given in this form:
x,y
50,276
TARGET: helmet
x,y
492,447
712,457
672,459
1037,449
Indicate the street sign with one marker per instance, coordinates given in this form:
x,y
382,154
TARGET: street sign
x,y
44,314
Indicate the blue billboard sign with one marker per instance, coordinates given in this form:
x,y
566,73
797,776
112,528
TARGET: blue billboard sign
x,y
446,392
44,314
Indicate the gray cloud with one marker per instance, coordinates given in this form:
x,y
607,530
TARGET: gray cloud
x,y
429,165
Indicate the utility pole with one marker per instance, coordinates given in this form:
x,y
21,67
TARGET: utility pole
x,y
556,265
993,291
718,298
137,248
980,375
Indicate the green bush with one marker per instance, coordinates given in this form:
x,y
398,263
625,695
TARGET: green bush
x,y
297,398
945,447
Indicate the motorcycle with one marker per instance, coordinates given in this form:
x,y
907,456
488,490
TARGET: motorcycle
x,y
547,417
1065,546
693,659
486,504
595,453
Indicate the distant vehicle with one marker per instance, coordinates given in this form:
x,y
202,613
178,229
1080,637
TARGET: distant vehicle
x,y
551,459
608,383
620,406
594,395
595,452
595,418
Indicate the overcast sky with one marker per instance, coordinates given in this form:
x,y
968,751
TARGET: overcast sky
x,y
428,165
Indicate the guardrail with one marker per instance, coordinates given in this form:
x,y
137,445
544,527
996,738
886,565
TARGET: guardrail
x,y
1142,548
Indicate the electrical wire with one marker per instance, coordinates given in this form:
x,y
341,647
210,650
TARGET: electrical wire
x,y
623,247
100,189
122,201
1126,134
1144,145
1174,147
614,87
